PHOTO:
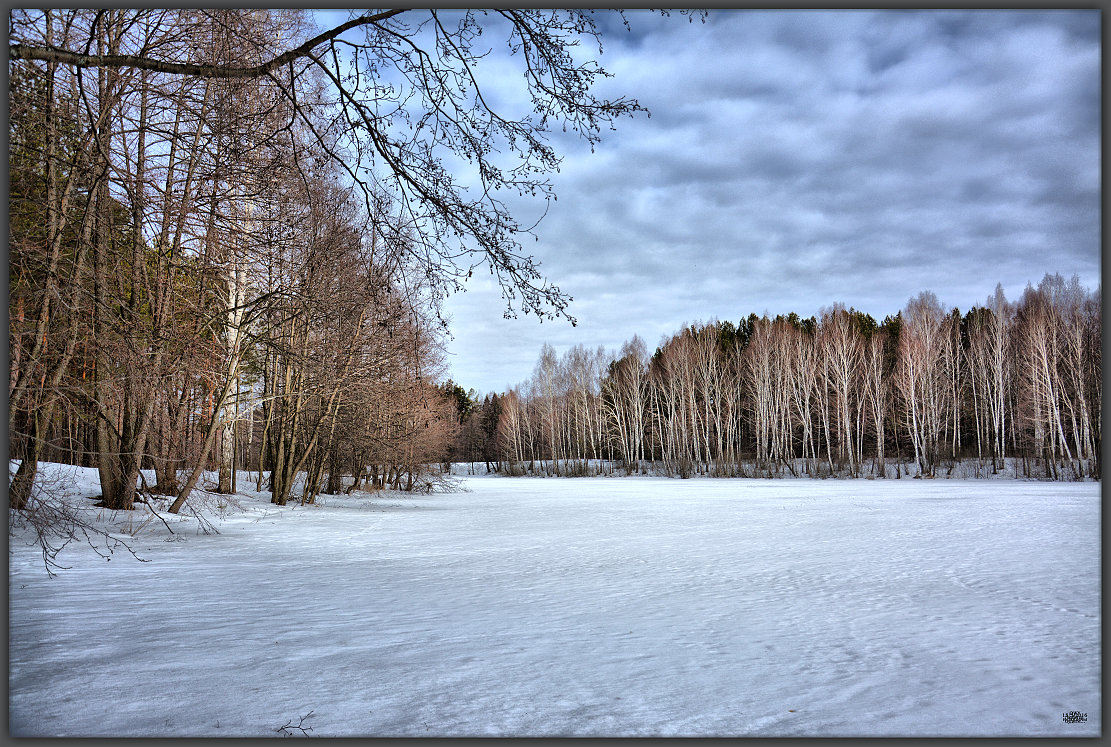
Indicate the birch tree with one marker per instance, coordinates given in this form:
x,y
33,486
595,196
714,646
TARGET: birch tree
x,y
920,377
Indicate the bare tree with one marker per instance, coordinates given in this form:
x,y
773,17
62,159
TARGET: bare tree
x,y
625,395
403,89
920,377
875,392
760,379
802,380
511,430
843,351
1049,356
49,239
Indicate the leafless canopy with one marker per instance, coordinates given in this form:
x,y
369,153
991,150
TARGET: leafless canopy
x,y
407,112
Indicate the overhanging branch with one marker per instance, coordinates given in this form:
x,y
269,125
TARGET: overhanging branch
x,y
79,59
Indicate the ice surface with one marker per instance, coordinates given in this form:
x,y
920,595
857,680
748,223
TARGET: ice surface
x,y
564,607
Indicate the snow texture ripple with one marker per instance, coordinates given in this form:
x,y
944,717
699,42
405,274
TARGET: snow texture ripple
x,y
581,607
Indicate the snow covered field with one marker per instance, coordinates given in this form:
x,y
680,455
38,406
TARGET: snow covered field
x,y
563,607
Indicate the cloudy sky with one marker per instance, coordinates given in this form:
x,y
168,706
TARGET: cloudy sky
x,y
797,159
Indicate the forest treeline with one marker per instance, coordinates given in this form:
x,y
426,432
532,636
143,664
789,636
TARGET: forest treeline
x,y
230,234
191,281
838,394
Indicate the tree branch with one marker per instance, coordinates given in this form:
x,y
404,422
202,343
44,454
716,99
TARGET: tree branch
x,y
51,53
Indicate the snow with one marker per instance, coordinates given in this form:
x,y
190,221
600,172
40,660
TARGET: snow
x,y
577,607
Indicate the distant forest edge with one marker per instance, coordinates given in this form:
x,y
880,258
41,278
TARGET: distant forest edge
x,y
834,395
216,267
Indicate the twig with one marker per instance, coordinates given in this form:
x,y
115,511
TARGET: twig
x,y
150,505
290,727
